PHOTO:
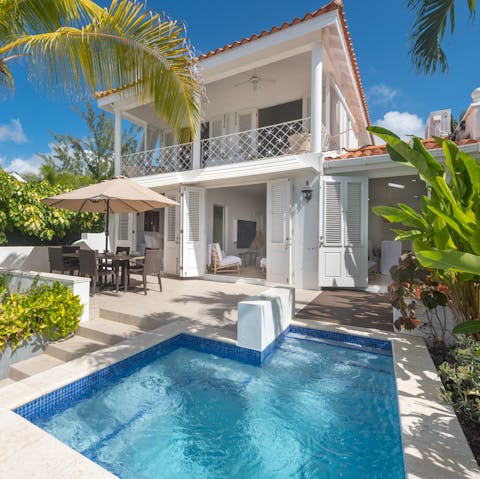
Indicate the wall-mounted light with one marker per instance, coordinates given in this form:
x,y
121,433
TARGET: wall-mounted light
x,y
307,192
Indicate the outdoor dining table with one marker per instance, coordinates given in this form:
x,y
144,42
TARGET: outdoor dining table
x,y
118,260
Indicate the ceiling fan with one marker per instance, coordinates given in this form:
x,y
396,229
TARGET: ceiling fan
x,y
254,80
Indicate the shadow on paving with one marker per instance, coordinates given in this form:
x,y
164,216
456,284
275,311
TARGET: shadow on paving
x,y
351,308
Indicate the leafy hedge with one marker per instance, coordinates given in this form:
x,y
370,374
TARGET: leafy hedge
x,y
22,210
51,310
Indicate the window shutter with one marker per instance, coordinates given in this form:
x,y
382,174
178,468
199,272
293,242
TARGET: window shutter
x,y
332,213
123,227
277,213
172,221
354,214
193,216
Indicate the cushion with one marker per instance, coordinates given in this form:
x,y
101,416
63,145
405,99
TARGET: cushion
x,y
263,263
228,260
219,251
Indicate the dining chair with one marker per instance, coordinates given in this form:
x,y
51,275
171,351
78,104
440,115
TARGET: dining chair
x,y
55,259
71,264
90,267
152,266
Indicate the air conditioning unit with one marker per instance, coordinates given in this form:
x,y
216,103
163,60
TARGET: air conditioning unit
x,y
439,123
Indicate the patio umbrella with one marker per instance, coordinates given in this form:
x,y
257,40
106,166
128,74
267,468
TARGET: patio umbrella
x,y
119,195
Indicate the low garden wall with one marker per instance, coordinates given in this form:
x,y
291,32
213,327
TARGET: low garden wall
x,y
22,281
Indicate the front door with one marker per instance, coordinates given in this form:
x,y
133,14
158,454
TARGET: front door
x,y
343,258
279,231
192,232
171,258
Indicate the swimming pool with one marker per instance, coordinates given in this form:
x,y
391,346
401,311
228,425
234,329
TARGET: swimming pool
x,y
313,410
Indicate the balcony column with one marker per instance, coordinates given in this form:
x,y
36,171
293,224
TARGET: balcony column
x,y
316,107
196,151
117,165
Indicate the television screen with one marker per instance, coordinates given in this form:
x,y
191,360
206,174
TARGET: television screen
x,y
246,231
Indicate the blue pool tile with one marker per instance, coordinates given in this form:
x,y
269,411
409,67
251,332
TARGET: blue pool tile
x,y
64,397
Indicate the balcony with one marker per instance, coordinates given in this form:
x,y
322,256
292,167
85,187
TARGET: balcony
x,y
288,138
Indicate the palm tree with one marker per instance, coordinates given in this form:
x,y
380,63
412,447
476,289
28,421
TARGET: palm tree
x,y
84,48
432,19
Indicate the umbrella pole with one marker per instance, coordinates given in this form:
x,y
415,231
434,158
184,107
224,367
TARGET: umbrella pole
x,y
107,232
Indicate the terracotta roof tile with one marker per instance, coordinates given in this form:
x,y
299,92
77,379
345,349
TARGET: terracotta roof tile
x,y
375,150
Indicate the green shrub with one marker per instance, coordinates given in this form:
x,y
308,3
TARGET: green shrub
x,y
51,310
461,379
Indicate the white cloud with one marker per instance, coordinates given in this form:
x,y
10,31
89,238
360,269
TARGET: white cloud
x,y
24,165
382,94
402,123
13,131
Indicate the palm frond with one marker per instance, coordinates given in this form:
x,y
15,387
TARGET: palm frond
x,y
6,78
432,18
123,47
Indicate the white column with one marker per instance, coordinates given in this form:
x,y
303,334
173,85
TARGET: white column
x,y
328,102
196,151
118,144
317,73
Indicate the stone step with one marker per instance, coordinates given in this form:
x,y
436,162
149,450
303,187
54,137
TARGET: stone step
x,y
6,382
141,322
106,331
30,367
73,348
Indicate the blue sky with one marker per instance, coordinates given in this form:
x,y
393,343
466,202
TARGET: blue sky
x,y
396,94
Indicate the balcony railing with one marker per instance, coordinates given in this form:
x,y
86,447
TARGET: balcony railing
x,y
292,137
266,142
160,160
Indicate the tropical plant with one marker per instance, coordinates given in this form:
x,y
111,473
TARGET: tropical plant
x,y
50,310
446,231
461,379
84,48
22,211
415,285
431,22
76,162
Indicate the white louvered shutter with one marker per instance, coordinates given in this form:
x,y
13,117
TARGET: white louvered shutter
x,y
193,216
354,214
333,213
123,227
277,212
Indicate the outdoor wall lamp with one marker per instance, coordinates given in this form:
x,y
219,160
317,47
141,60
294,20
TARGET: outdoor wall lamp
x,y
307,192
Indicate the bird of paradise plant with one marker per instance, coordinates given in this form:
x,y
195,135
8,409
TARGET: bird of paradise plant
x,y
83,48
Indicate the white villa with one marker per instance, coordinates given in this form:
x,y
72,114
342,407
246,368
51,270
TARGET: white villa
x,y
283,163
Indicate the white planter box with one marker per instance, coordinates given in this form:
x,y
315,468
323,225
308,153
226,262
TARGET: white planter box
x,y
441,317
33,347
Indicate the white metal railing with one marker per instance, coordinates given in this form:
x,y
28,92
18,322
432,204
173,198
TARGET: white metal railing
x,y
292,137
159,160
266,142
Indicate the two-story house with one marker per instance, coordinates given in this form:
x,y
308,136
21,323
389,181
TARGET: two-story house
x,y
278,165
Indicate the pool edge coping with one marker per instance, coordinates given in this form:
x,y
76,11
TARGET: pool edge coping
x,y
416,380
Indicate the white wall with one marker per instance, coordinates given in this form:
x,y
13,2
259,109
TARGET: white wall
x,y
380,194
285,81
240,204
25,258
305,234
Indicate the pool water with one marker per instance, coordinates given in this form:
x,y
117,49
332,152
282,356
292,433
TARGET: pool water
x,y
314,411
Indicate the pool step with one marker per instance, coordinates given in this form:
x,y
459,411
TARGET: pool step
x,y
73,348
29,367
108,332
6,382
141,322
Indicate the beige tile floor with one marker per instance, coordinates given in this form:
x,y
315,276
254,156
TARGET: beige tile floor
x,y
205,303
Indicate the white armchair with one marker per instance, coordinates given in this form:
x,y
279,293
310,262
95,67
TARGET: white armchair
x,y
222,263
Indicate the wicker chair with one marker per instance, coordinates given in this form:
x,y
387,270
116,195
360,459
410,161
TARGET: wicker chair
x,y
59,264
89,267
152,266
223,264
